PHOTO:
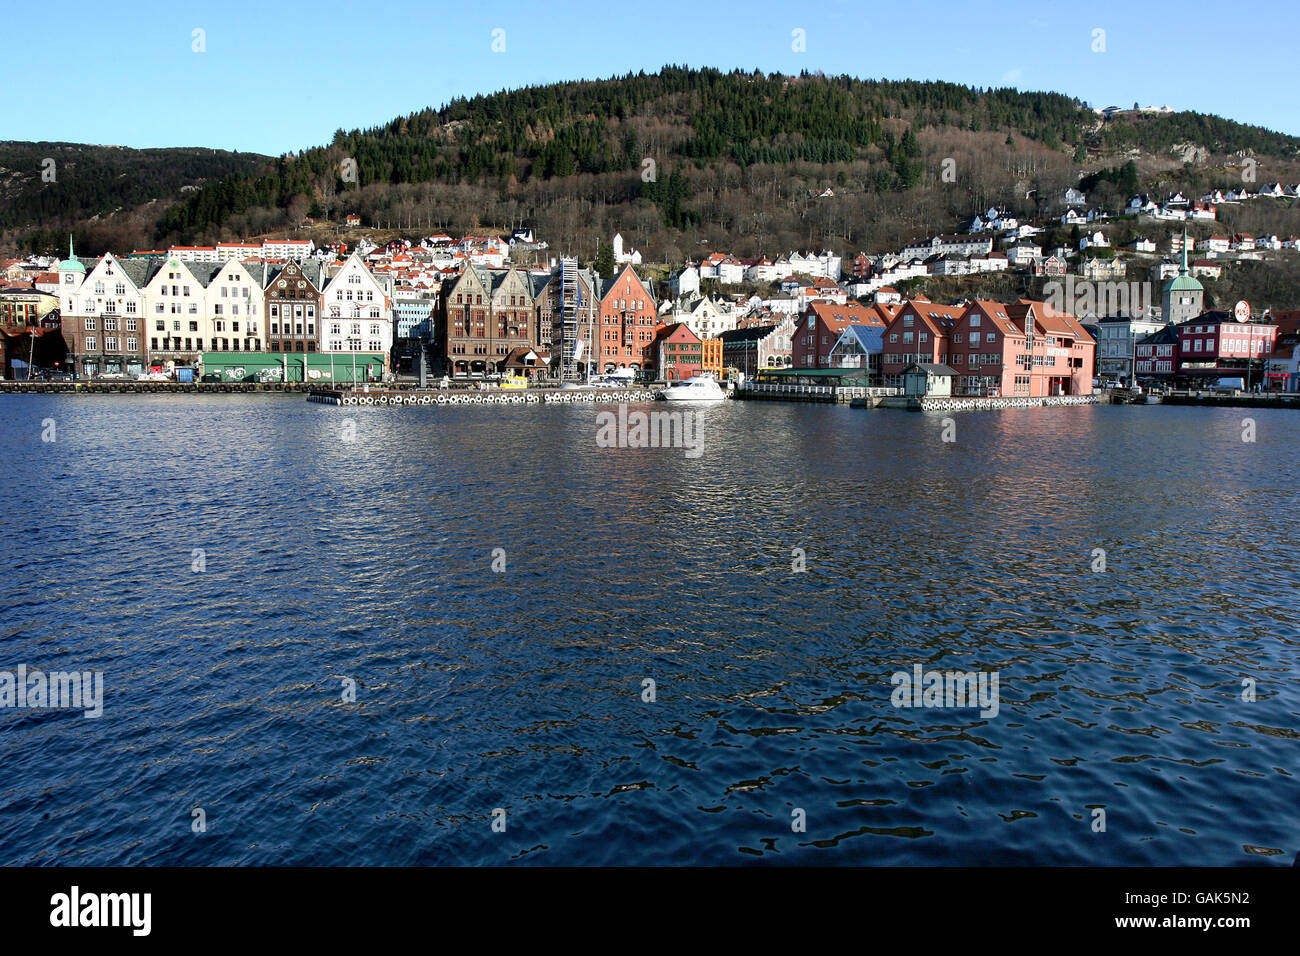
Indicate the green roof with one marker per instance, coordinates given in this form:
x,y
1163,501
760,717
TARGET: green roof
x,y
72,263
1183,284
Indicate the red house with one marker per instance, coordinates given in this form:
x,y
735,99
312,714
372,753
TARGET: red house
x,y
1215,344
823,322
675,353
627,322
918,332
1021,349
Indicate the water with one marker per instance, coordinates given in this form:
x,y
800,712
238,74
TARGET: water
x,y
372,560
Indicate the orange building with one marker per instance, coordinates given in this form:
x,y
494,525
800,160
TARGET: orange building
x,y
627,322
711,357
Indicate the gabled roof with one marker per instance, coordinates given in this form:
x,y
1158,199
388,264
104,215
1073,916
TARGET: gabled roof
x,y
936,318
750,333
933,368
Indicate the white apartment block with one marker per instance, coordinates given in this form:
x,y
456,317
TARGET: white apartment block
x,y
357,311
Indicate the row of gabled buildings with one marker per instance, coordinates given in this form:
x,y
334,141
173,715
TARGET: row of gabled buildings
x,y
1024,348
986,348
125,315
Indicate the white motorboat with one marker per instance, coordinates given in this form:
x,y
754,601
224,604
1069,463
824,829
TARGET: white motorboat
x,y
697,388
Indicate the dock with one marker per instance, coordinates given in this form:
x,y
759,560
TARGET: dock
x,y
825,394
958,403
391,397
128,387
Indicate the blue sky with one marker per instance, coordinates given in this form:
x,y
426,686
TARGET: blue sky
x,y
279,76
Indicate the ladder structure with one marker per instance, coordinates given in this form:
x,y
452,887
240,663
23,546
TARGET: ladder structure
x,y
570,296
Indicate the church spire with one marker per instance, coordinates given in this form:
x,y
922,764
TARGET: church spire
x,y
1183,270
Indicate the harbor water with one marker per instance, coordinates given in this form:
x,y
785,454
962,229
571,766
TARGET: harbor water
x,y
477,635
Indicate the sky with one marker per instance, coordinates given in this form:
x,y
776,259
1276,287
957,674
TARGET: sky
x,y
273,77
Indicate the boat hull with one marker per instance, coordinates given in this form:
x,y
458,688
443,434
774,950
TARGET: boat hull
x,y
690,395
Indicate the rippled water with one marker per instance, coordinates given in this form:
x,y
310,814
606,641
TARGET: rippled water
x,y
522,690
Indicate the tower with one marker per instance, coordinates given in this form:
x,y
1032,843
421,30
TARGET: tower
x,y
1183,297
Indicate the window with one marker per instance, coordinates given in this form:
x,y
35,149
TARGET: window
x,y
90,325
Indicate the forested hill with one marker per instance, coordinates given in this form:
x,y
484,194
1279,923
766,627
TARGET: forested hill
x,y
43,184
687,158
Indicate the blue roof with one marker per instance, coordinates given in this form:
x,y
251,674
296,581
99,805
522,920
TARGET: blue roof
x,y
870,337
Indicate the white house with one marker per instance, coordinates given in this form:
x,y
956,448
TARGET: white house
x,y
1096,240
1024,254
234,305
764,269
686,282
287,248
1142,205
357,311
176,317
106,308
706,317
948,246
991,262
622,257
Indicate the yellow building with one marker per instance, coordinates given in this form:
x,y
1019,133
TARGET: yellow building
x,y
711,357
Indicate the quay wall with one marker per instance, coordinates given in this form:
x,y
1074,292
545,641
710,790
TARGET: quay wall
x,y
532,396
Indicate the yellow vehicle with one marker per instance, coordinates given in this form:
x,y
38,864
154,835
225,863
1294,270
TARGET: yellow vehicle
x,y
514,381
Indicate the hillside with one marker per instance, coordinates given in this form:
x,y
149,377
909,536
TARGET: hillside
x,y
48,186
687,160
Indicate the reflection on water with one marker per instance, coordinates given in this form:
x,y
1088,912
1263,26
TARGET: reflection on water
x,y
371,560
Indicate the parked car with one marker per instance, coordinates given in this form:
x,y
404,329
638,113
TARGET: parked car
x,y
1228,385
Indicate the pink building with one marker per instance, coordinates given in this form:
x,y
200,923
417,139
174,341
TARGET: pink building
x,y
1021,349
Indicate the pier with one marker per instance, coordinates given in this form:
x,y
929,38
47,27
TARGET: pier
x,y
827,394
126,386
958,403
389,397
